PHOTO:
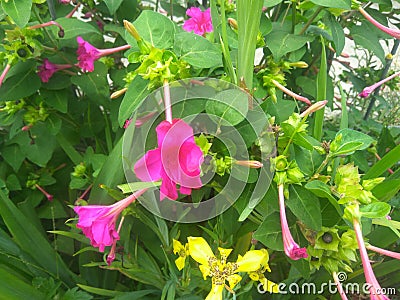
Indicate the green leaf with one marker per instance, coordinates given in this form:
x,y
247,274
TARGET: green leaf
x,y
111,174
13,155
305,206
270,233
94,84
197,50
337,34
98,291
375,210
344,4
13,288
321,93
113,5
138,295
322,190
32,241
368,40
74,27
134,97
385,163
135,186
20,86
74,155
154,28
56,99
386,190
231,106
270,3
281,42
351,140
18,10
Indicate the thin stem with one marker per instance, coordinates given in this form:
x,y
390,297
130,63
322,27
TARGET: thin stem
x,y
167,102
309,22
69,15
384,251
339,286
384,73
4,74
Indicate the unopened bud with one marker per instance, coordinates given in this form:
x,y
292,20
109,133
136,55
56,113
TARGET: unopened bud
x,y
295,175
249,163
281,163
132,30
61,33
313,108
233,23
119,93
299,64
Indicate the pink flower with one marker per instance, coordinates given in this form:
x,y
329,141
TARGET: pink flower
x,y
64,1
200,22
369,89
291,248
47,69
98,221
177,160
391,31
374,288
88,54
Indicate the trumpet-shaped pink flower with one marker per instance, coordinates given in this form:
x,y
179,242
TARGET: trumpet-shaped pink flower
x,y
98,221
369,89
88,54
375,289
177,160
291,248
200,22
47,69
391,31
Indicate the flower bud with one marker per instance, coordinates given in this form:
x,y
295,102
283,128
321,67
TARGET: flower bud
x,y
249,163
132,30
295,175
119,93
313,108
299,64
233,23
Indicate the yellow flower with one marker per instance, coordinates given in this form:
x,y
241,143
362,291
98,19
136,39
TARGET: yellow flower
x,y
258,274
182,251
220,270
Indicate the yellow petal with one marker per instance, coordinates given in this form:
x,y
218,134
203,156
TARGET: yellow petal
x,y
216,292
254,276
224,252
251,261
177,246
269,286
199,250
180,262
233,280
205,270
264,263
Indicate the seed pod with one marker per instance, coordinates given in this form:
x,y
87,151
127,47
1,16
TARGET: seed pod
x,y
22,52
61,33
327,237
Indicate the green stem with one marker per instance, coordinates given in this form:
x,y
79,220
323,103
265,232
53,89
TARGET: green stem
x,y
321,94
309,22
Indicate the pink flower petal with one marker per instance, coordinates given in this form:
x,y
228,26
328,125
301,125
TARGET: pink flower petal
x,y
149,167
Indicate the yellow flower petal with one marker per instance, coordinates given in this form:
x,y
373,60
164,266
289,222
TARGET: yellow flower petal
x,y
205,270
224,252
269,286
177,246
254,276
180,262
216,292
233,280
264,263
199,250
251,261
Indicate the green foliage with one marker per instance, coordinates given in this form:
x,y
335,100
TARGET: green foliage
x,y
65,141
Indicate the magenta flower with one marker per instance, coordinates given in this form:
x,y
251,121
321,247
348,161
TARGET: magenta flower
x,y
177,160
391,31
64,1
369,89
98,221
375,289
88,54
200,22
47,69
291,248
